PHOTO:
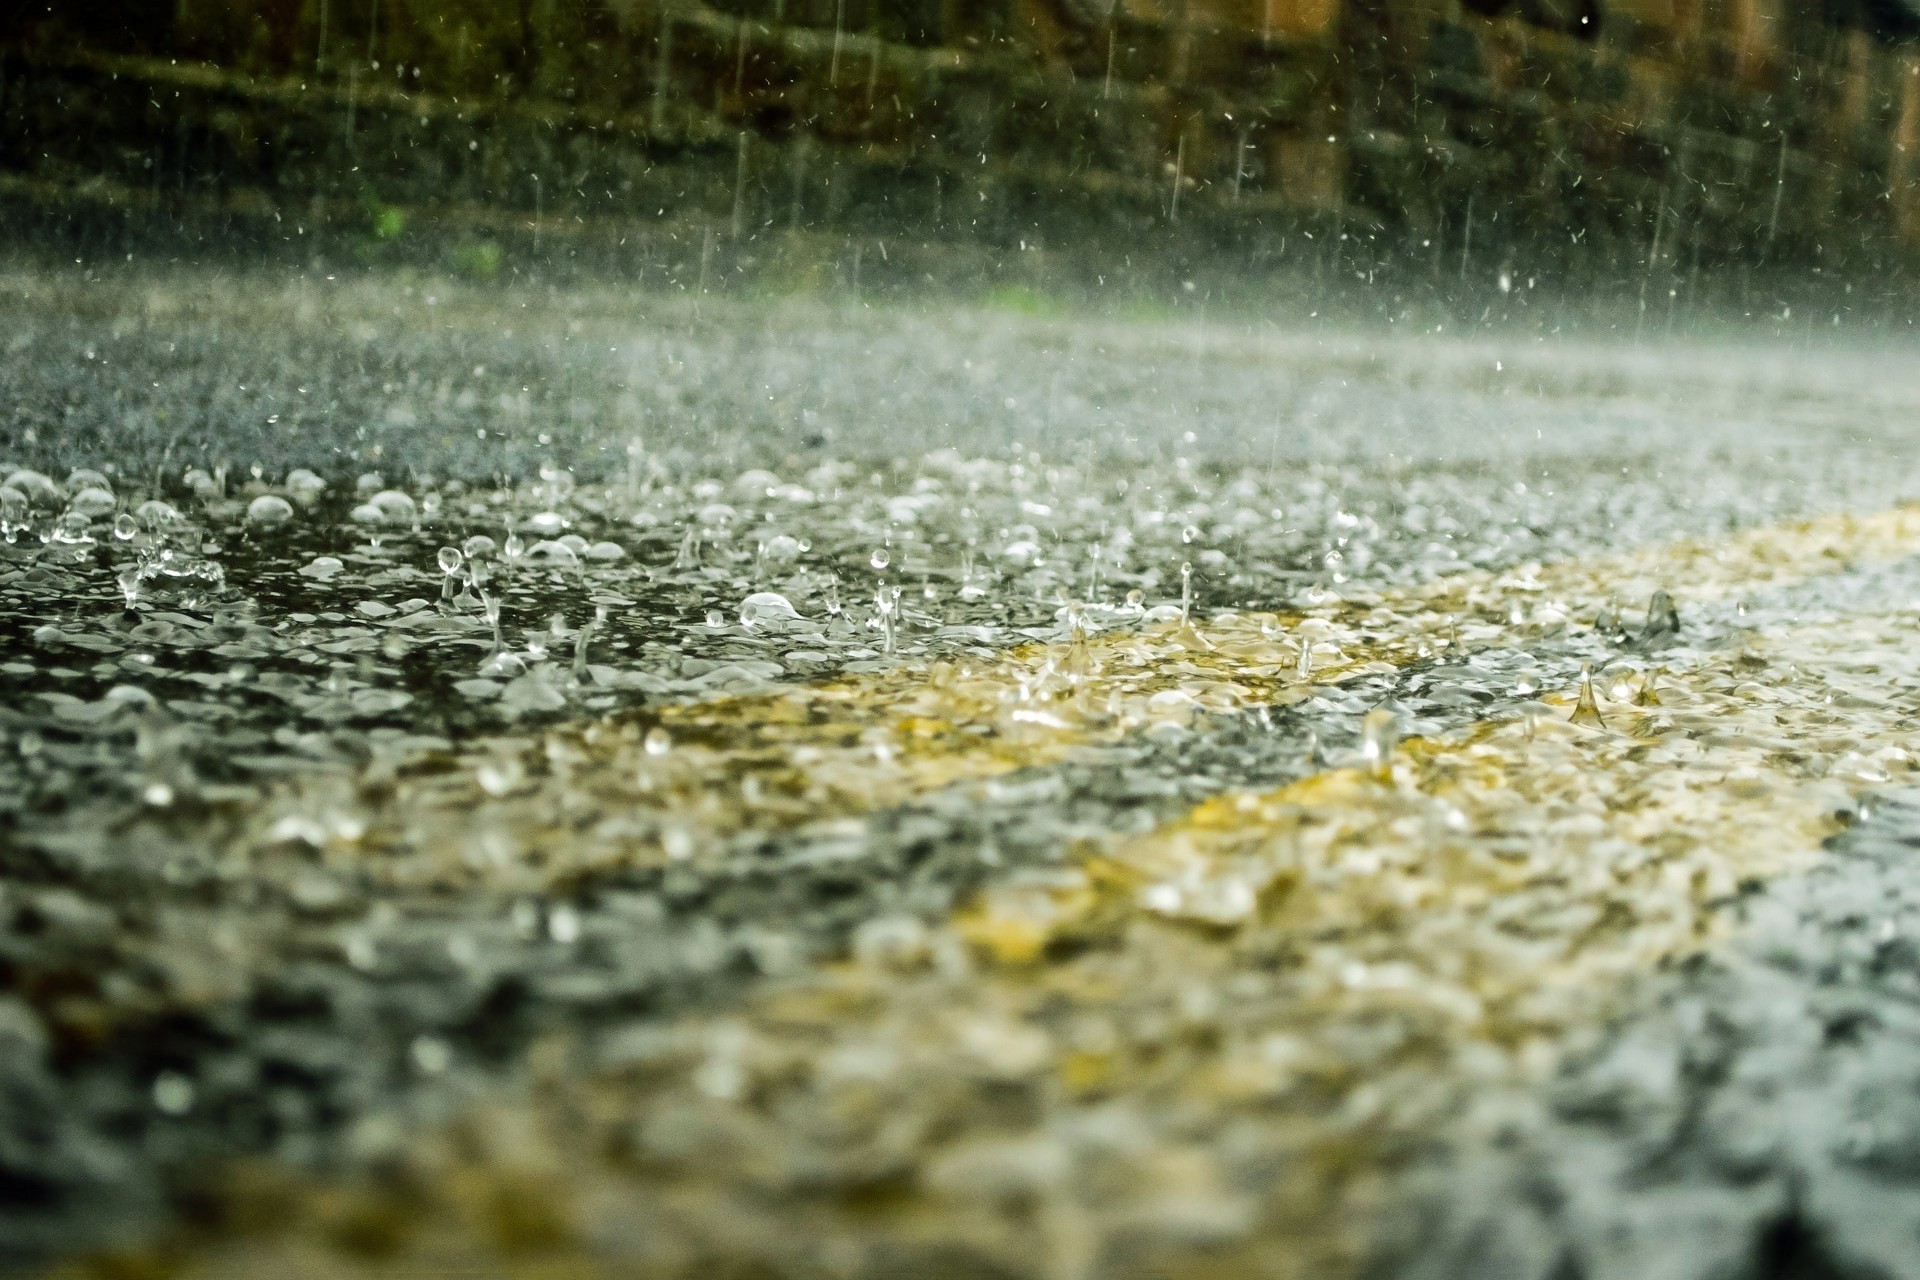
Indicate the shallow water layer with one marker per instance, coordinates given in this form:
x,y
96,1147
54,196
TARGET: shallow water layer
x,y
396,674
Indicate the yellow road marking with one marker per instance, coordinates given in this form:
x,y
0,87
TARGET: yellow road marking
x,y
524,813
1201,1052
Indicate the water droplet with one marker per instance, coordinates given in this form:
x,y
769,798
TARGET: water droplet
x,y
1663,616
450,560
658,741
1379,735
715,618
430,1054
125,528
1189,533
172,1093
1587,710
880,558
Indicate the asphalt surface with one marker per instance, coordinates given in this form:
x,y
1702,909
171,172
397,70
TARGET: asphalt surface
x,y
307,862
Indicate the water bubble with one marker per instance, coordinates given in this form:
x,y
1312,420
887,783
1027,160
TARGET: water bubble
x,y
304,485
603,552
479,545
322,567
553,553
546,523
763,607
1136,599
35,487
657,742
94,502
715,618
503,665
880,558
87,478
155,515
269,510
72,529
394,507
781,549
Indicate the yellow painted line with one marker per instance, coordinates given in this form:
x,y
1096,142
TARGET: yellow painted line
x,y
1200,1052
535,812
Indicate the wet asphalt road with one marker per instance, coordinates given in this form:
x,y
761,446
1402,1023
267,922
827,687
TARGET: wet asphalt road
x,y
1752,1101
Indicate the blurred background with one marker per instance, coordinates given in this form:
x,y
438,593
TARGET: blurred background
x,y
1690,156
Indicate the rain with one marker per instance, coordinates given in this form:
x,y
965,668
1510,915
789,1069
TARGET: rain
x,y
1041,639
